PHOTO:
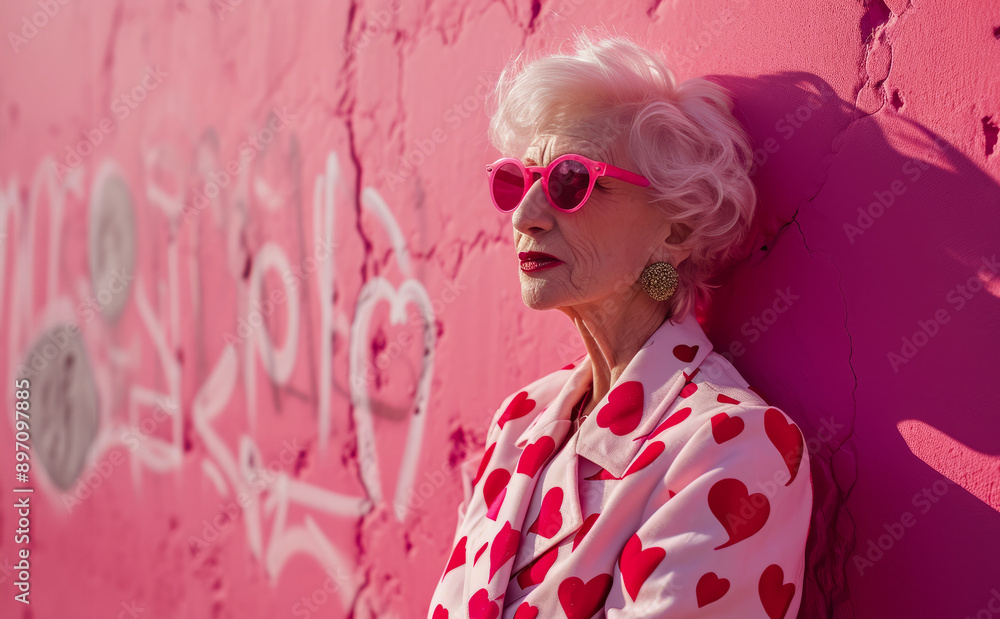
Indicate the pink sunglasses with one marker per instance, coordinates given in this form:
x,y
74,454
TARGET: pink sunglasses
x,y
568,181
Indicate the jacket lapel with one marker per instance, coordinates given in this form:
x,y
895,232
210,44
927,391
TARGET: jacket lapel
x,y
566,475
546,433
611,436
614,433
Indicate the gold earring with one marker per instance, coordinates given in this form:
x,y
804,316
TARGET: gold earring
x,y
660,280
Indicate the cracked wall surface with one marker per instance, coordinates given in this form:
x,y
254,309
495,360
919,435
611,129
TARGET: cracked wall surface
x,y
249,262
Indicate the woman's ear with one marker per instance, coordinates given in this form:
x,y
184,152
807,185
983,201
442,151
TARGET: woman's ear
x,y
679,233
677,256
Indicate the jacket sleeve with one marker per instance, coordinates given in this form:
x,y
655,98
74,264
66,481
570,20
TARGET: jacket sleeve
x,y
724,531
470,469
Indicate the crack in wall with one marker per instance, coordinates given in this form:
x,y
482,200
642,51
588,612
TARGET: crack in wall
x,y
875,27
109,51
536,7
651,11
347,108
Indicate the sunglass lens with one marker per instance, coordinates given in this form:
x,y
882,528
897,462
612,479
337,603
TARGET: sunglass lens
x,y
508,186
568,184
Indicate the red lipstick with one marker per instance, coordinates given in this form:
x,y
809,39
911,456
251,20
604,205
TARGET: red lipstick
x,y
532,261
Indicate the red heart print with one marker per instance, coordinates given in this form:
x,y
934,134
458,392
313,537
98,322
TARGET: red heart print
x,y
710,588
647,456
440,612
526,611
725,399
484,462
775,594
741,514
672,421
494,491
457,556
494,510
637,564
623,411
685,353
599,475
535,455
503,548
520,406
549,519
580,600
535,573
479,552
584,528
787,438
482,607
725,427
568,366
689,389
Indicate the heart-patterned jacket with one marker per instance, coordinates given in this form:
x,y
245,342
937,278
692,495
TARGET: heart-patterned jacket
x,y
683,494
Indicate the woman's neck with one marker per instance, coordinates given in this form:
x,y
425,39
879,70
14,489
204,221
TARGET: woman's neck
x,y
613,338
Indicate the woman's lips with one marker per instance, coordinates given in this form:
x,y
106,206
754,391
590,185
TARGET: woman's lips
x,y
532,261
539,264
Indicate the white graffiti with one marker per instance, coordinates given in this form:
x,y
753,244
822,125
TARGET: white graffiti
x,y
324,209
375,290
230,470
278,362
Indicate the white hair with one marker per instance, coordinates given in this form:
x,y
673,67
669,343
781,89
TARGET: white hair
x,y
681,136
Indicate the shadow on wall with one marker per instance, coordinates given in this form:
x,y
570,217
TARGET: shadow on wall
x,y
873,264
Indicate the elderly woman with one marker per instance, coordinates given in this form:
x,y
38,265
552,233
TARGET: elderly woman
x,y
645,478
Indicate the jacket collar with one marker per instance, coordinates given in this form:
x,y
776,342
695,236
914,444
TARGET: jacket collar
x,y
611,435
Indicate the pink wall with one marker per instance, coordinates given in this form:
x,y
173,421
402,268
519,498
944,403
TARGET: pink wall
x,y
292,303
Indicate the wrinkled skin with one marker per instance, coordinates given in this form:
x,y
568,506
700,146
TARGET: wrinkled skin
x,y
604,247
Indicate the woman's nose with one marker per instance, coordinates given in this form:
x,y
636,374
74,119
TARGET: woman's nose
x,y
533,213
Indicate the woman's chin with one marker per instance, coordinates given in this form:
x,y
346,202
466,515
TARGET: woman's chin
x,y
538,302
535,306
